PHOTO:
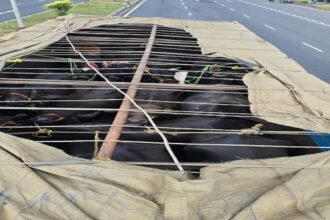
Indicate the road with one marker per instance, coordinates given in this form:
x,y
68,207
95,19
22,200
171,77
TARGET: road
x,y
26,7
300,32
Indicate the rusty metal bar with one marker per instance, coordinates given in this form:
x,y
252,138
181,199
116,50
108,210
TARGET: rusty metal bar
x,y
114,133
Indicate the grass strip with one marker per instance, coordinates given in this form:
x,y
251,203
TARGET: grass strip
x,y
92,7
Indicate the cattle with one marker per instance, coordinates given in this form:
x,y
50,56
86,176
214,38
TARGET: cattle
x,y
214,125
92,98
18,98
233,147
215,102
157,101
176,130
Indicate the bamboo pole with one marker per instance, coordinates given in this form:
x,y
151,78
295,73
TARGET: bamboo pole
x,y
114,133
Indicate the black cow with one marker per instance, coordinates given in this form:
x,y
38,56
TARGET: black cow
x,y
16,97
92,99
154,100
216,102
201,152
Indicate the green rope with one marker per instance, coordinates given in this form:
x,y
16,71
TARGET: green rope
x,y
196,80
73,68
92,78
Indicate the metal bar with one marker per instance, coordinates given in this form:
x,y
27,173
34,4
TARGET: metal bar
x,y
168,112
114,133
179,130
122,73
17,13
218,87
124,53
187,144
140,88
133,60
221,164
142,131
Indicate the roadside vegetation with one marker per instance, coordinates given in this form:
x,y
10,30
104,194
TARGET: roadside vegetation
x,y
323,7
91,7
61,7
319,5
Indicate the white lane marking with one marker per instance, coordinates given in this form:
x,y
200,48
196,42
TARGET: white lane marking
x,y
231,9
270,27
189,14
310,46
185,7
6,12
197,0
246,16
223,5
182,3
128,13
286,13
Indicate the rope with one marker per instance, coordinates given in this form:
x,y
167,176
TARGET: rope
x,y
73,68
202,60
169,112
230,165
152,75
96,141
255,130
115,68
143,85
167,146
152,131
42,132
142,88
196,80
188,144
50,51
139,100
49,163
156,62
177,133
218,74
190,130
225,64
45,163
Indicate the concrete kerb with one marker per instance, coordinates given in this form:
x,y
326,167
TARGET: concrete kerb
x,y
123,10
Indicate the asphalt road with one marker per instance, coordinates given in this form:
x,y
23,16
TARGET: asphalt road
x,y
301,33
26,7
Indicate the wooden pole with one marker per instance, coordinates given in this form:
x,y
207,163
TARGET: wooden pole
x,y
114,133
